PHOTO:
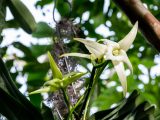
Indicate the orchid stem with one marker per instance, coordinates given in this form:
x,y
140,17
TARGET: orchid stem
x,y
66,99
93,81
86,101
75,106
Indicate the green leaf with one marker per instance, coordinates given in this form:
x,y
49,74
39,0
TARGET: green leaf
x,y
2,85
14,110
100,114
44,90
3,51
42,3
63,8
148,63
13,90
7,80
36,79
46,112
38,50
157,114
143,110
120,111
71,77
43,30
56,83
55,70
127,110
2,15
28,53
12,24
22,15
36,100
36,67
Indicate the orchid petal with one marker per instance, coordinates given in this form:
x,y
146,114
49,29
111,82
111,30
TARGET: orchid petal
x,y
76,55
127,41
110,43
126,60
119,67
95,53
95,48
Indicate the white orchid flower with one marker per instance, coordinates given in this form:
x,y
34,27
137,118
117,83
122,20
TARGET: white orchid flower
x,y
116,52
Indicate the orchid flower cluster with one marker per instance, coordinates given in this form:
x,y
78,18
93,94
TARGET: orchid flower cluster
x,y
110,50
101,52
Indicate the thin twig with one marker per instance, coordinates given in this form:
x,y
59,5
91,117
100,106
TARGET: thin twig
x,y
55,3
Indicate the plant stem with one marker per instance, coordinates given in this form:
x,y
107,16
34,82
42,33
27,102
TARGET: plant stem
x,y
74,107
87,103
87,95
66,99
88,91
93,81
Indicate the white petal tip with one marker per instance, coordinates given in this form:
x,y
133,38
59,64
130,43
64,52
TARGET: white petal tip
x,y
127,41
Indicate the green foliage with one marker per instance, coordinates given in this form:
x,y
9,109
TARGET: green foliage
x,y
43,30
13,98
127,109
43,2
59,81
2,14
22,15
55,70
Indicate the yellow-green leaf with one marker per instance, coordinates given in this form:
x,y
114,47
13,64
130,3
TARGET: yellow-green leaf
x,y
54,83
55,70
72,78
43,90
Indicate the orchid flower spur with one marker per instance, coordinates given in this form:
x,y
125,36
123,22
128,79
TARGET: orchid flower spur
x,y
109,50
59,81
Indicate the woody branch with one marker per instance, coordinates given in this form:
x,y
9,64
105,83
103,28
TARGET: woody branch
x,y
148,24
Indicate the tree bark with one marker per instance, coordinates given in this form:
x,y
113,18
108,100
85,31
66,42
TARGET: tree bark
x,y
148,24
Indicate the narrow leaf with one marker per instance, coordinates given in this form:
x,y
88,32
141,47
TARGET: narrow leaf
x,y
13,109
13,90
55,70
68,80
54,83
46,112
43,90
43,30
2,14
22,15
